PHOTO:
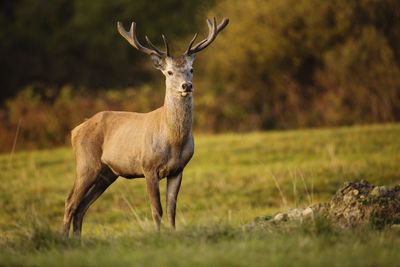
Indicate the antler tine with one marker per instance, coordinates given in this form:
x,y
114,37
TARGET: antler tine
x,y
132,39
166,45
191,43
213,31
211,27
153,46
222,25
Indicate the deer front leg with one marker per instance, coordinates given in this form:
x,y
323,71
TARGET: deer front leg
x,y
153,191
173,186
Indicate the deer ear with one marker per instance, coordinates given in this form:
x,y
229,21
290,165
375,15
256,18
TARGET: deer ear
x,y
158,62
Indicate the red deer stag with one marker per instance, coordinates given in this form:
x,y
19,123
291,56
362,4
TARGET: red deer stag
x,y
150,145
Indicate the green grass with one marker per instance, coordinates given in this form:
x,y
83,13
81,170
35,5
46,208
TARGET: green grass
x,y
232,179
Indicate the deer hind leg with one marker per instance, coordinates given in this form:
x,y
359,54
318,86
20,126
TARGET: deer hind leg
x,y
153,190
68,212
104,179
88,166
82,185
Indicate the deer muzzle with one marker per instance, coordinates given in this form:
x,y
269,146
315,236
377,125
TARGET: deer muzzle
x,y
186,88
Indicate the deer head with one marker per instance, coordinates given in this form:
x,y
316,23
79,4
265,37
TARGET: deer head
x,y
178,71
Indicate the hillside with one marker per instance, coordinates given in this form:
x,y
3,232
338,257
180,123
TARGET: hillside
x,y
232,179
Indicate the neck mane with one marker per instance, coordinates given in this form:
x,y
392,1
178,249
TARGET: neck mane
x,y
178,115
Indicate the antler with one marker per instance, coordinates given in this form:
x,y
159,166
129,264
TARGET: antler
x,y
132,39
213,31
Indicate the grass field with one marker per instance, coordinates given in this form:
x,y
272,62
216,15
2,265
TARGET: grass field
x,y
232,179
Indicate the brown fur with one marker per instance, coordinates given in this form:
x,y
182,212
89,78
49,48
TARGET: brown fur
x,y
152,145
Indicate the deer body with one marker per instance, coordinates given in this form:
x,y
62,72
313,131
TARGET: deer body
x,y
135,142
152,145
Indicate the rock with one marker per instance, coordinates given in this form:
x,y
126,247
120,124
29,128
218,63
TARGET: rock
x,y
307,212
354,204
360,203
378,191
294,214
375,192
320,208
280,217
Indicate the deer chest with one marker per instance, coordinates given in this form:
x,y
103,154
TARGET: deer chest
x,y
175,159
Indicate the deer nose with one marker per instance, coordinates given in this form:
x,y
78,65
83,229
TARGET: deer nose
x,y
187,86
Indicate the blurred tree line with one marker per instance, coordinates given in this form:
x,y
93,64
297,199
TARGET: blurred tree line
x,y
289,63
279,64
53,43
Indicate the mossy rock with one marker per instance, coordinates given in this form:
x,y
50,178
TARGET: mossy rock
x,y
361,203
354,204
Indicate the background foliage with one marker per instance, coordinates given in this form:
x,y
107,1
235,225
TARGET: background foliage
x,y
279,64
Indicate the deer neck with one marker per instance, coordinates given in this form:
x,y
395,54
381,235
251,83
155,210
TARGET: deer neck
x,y
178,115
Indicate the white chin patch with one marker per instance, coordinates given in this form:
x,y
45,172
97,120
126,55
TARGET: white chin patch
x,y
184,94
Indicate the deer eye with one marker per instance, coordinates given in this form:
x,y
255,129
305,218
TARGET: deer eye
x,y
170,72
191,70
